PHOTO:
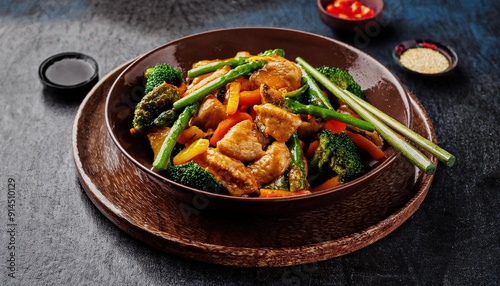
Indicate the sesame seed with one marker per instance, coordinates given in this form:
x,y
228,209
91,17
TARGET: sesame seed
x,y
424,60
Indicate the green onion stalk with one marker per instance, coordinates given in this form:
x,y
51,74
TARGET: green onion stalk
x,y
379,120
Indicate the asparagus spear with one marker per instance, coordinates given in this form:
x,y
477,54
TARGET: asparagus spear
x,y
163,158
233,74
410,152
296,173
213,66
297,107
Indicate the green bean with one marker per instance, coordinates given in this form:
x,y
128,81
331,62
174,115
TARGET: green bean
x,y
163,158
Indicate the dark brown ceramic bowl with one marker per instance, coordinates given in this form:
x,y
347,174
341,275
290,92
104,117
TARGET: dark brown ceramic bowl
x,y
380,86
348,25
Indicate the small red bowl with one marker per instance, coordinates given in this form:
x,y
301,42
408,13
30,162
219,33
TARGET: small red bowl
x,y
350,25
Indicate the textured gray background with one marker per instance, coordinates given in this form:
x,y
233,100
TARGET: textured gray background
x,y
62,239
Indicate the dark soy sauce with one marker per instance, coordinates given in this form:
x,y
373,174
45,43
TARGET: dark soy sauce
x,y
70,71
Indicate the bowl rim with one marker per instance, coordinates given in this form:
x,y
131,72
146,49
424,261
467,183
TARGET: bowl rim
x,y
323,11
445,50
67,55
374,171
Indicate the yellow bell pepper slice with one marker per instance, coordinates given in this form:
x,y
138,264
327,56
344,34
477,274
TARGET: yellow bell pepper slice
x,y
233,97
192,150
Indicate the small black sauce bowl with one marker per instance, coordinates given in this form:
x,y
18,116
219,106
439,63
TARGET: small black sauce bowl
x,y
446,51
75,91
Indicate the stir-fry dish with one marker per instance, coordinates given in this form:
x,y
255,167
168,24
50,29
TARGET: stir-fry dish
x,y
255,126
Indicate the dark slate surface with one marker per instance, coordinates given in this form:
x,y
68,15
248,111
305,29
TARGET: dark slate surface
x,y
62,239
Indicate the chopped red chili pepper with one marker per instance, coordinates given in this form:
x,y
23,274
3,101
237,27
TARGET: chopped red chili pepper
x,y
428,45
349,9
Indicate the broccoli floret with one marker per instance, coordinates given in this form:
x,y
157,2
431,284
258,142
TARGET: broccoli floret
x,y
161,73
160,99
193,175
336,154
343,79
280,183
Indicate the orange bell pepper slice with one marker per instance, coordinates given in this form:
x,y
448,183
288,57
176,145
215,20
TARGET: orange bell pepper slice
x,y
250,97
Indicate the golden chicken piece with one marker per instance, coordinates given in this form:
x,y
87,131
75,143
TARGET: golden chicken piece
x,y
231,173
278,73
210,113
279,123
156,138
273,164
242,142
271,95
309,127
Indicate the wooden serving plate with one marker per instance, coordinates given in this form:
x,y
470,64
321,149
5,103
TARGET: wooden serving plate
x,y
140,207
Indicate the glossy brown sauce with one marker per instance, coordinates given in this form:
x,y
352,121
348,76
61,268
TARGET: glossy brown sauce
x,y
68,72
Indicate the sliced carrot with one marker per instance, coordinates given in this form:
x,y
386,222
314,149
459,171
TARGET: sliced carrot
x,y
268,193
192,150
182,88
233,97
251,97
328,184
134,131
243,108
311,149
335,126
226,124
366,144
191,134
